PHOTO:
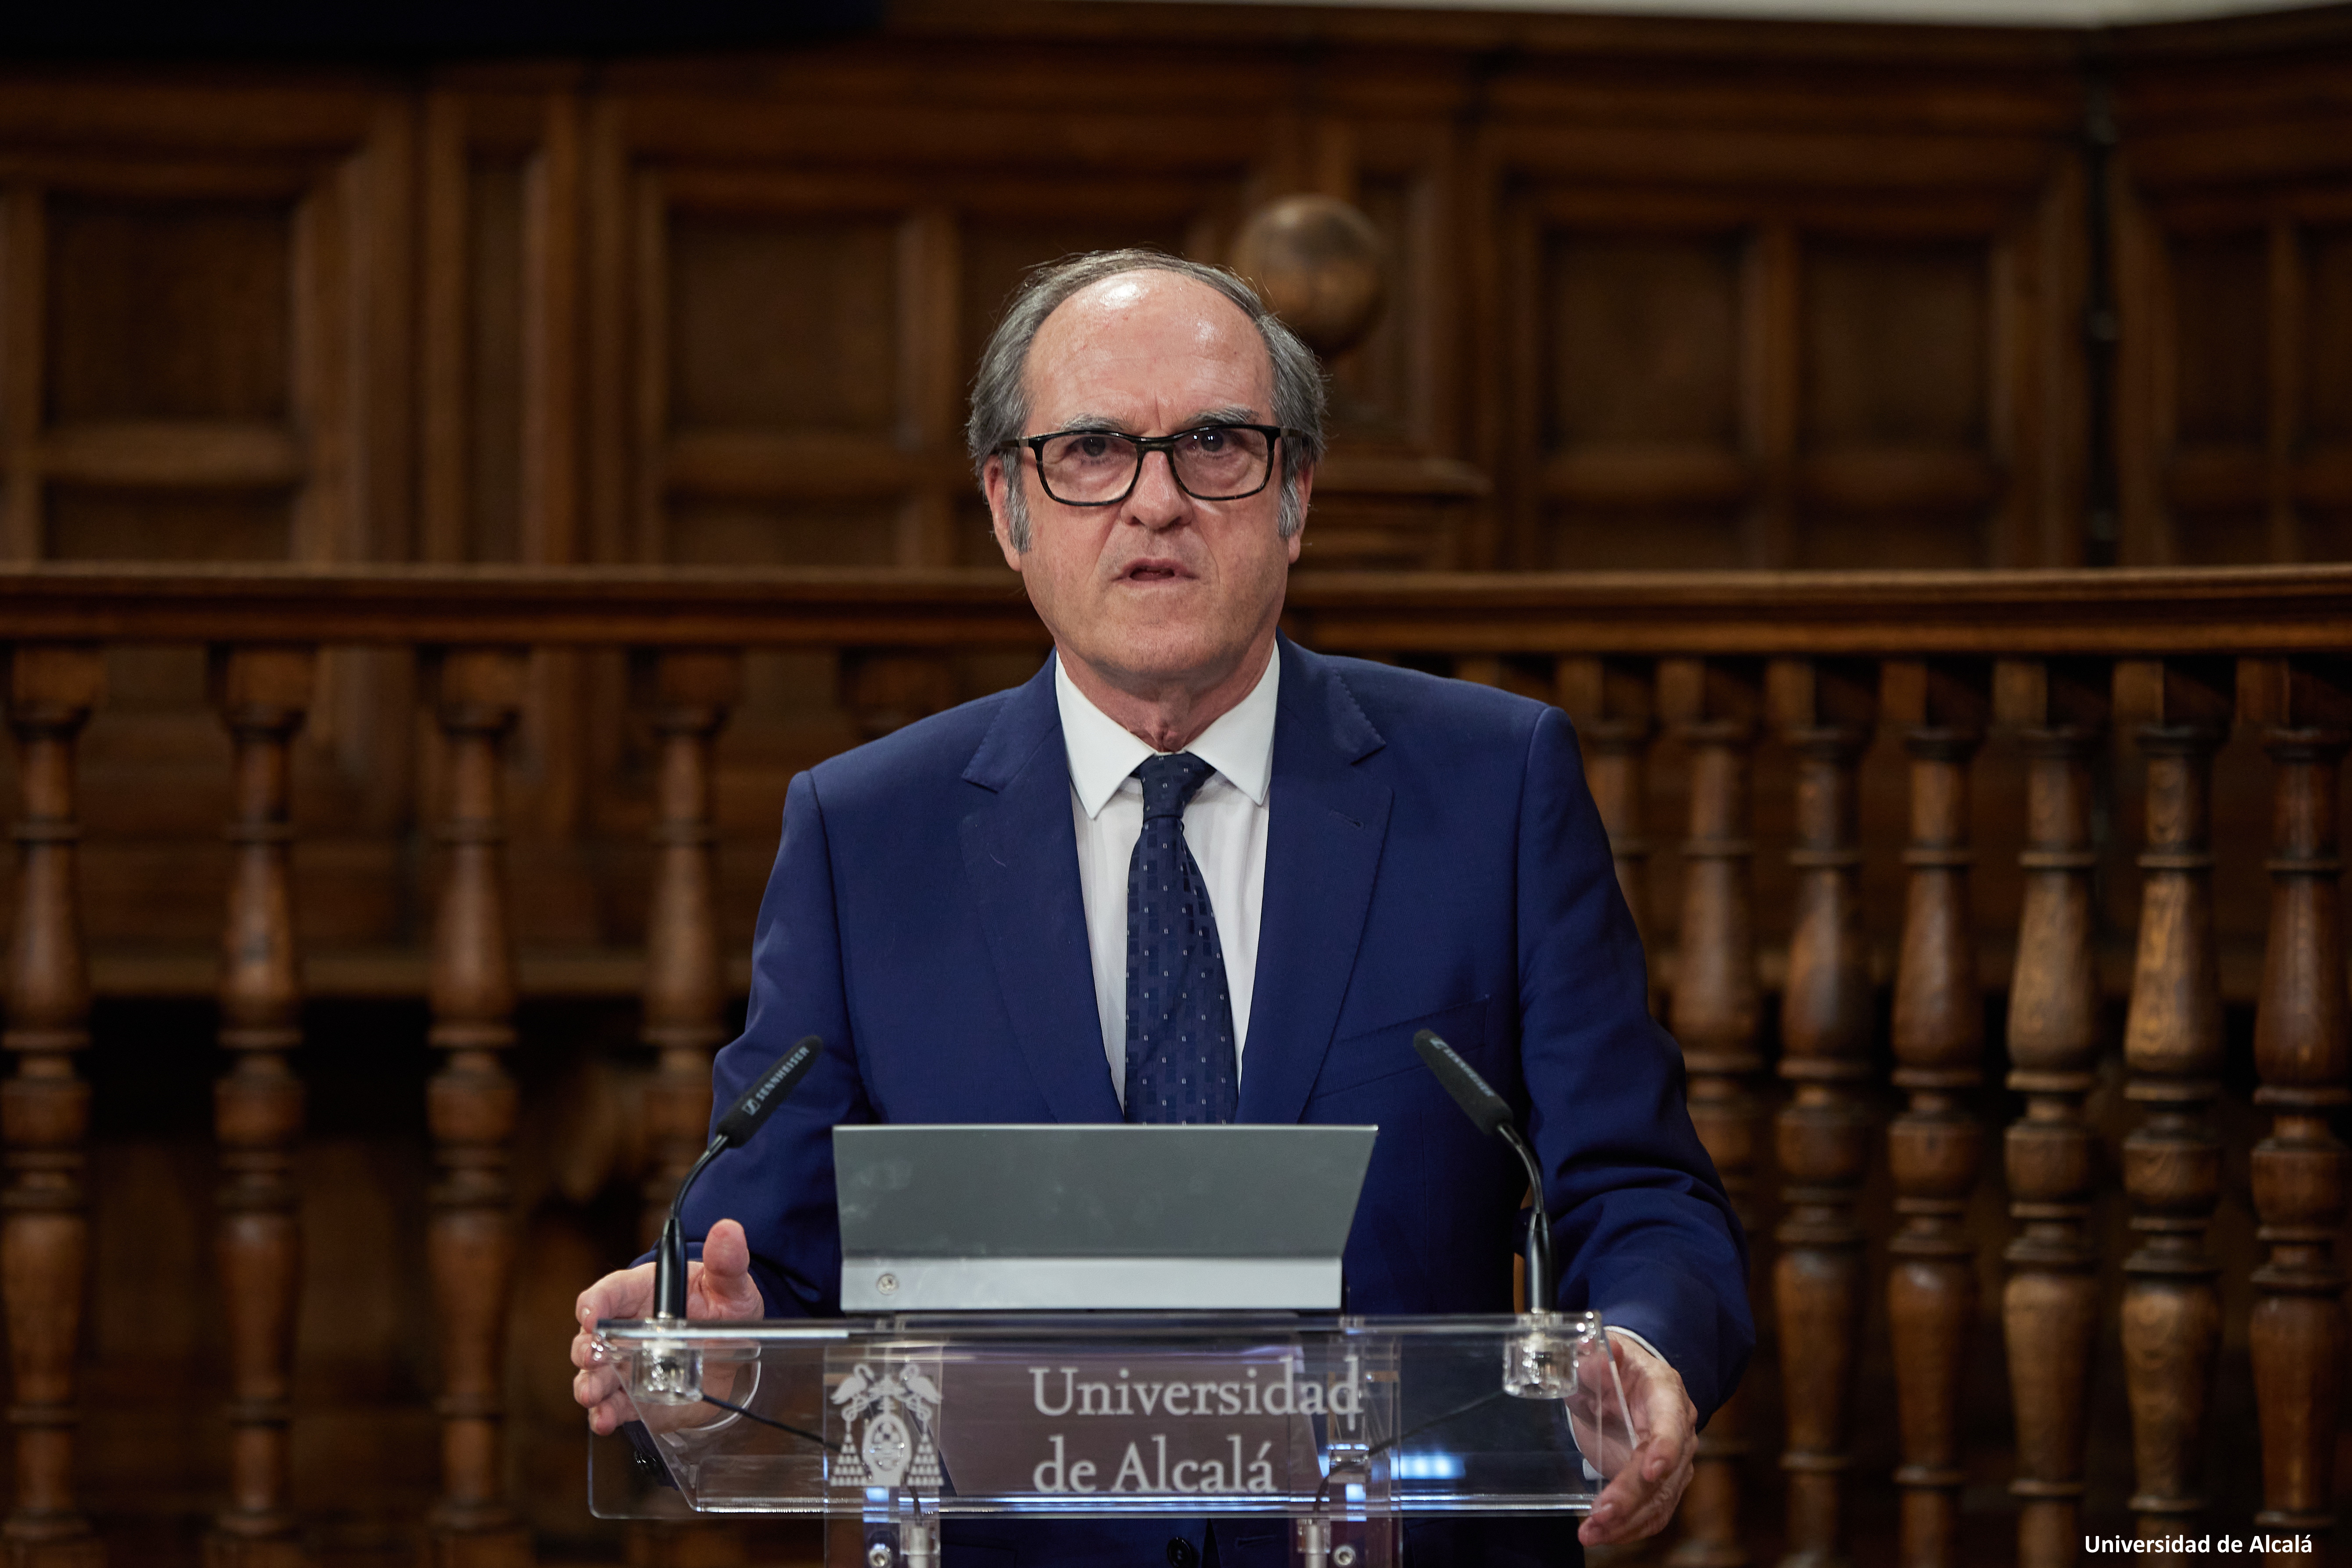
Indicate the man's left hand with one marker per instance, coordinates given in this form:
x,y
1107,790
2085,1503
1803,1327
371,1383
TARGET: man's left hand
x,y
1643,1495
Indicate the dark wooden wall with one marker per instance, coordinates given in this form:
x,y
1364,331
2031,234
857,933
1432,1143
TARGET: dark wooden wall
x,y
1662,295
2233,224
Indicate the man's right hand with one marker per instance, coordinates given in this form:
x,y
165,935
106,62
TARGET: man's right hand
x,y
718,1288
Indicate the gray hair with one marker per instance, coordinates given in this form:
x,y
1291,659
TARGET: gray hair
x,y
1000,390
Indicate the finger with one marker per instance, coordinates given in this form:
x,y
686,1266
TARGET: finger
x,y
1650,1521
1603,1527
623,1293
726,1251
593,1387
722,1286
1657,1511
1668,1420
1675,1443
1626,1511
599,1391
1627,1492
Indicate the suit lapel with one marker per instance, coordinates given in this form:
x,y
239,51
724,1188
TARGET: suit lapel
x,y
1021,854
1323,849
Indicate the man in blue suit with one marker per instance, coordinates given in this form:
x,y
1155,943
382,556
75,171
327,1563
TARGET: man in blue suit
x,y
1191,872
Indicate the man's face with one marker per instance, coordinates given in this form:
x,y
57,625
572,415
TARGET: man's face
x,y
1159,591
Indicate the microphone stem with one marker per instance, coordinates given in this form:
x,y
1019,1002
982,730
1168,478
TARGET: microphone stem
x,y
1539,1251
669,1258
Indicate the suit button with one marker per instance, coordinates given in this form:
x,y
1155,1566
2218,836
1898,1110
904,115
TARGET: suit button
x,y
1183,1554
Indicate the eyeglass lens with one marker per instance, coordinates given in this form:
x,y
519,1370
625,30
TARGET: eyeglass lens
x,y
1215,462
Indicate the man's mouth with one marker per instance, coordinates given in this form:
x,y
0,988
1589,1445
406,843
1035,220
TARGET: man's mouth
x,y
1152,571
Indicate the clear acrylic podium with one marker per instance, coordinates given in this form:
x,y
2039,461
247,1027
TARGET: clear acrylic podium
x,y
887,1426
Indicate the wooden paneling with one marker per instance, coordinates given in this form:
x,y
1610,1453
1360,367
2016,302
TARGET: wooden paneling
x,y
167,312
1661,295
1742,386
2235,192
212,309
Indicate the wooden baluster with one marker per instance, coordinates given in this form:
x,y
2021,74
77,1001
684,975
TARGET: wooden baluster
x,y
1824,710
263,694
45,1109
1935,1144
1610,701
2301,1052
1714,707
685,695
470,1106
2179,711
2050,1306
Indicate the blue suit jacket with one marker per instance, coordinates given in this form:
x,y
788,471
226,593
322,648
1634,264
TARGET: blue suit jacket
x,y
1433,860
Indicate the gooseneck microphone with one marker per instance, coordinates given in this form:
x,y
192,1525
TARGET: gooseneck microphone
x,y
1492,1114
743,1118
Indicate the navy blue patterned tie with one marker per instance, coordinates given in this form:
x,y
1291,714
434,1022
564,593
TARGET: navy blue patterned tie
x,y
1179,1022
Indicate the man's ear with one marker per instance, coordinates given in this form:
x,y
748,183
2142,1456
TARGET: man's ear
x,y
992,482
1306,492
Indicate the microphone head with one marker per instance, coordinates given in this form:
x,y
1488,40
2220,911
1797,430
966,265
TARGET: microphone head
x,y
747,1115
1477,1098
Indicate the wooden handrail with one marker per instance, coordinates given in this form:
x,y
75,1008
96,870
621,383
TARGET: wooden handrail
x,y
2248,610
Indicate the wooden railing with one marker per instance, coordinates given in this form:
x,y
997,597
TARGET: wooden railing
x,y
1680,686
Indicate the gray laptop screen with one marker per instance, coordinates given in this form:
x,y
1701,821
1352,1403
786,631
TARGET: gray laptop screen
x,y
1057,1216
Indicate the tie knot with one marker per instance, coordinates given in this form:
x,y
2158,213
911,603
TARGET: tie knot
x,y
1169,781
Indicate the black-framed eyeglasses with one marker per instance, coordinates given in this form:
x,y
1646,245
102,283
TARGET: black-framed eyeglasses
x,y
1100,467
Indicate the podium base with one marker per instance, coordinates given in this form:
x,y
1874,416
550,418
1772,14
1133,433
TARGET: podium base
x,y
1336,1542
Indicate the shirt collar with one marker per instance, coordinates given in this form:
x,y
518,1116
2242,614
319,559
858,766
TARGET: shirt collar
x,y
1102,754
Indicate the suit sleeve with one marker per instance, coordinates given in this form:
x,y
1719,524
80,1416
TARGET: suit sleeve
x,y
780,1186
1640,1227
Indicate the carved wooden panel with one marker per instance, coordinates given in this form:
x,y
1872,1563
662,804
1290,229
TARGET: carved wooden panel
x,y
1898,404
1727,387
499,327
1640,370
165,379
2234,283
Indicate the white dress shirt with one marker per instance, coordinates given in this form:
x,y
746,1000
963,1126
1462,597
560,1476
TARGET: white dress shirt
x,y
1224,826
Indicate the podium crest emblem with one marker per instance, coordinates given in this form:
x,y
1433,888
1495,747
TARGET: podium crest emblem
x,y
888,1424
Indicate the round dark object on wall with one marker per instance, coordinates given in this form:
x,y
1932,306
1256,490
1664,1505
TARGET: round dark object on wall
x,y
1321,264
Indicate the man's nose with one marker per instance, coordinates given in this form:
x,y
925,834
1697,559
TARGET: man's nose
x,y
1158,501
